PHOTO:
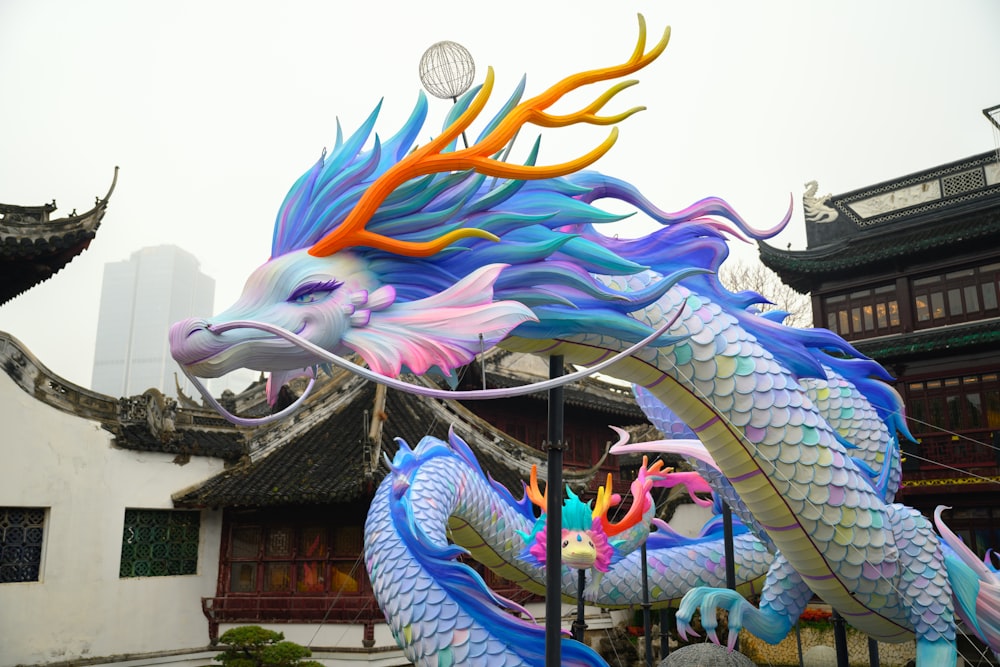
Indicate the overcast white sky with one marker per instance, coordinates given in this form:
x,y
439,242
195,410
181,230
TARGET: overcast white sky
x,y
213,109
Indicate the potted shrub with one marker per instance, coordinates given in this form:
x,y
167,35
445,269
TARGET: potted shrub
x,y
253,646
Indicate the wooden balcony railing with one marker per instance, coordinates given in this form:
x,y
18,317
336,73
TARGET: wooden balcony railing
x,y
332,609
292,609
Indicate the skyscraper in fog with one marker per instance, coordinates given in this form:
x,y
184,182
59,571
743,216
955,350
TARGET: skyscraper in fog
x,y
140,298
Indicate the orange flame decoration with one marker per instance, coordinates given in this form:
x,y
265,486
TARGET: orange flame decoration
x,y
429,159
606,498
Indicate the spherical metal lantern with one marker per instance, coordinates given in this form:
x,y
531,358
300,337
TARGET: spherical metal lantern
x,y
447,70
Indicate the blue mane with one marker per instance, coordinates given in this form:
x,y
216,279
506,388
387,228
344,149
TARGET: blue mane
x,y
552,246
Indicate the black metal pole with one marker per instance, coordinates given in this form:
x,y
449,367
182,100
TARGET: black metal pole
x,y
647,626
840,639
666,622
873,660
465,140
580,624
553,511
727,528
798,642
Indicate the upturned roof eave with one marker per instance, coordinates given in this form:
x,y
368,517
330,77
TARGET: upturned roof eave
x,y
805,269
34,252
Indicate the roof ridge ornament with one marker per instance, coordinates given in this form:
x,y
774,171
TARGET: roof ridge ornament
x,y
816,209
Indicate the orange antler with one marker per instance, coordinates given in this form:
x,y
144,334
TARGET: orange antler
x,y
429,159
537,497
640,488
606,499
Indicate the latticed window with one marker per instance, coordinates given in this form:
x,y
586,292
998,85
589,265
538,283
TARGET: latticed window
x,y
958,296
868,312
158,543
21,532
272,555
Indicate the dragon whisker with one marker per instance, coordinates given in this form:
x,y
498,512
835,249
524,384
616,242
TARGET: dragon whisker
x,y
243,421
368,374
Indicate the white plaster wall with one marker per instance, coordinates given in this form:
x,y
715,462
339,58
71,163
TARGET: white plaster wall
x,y
689,519
80,608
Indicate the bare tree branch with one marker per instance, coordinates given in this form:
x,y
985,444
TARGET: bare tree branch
x,y
738,276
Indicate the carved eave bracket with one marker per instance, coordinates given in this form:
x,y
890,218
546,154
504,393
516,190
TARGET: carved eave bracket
x,y
156,411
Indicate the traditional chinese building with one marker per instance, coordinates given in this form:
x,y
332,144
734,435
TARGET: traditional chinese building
x,y
908,270
293,511
169,525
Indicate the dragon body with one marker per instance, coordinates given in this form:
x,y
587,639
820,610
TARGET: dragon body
x,y
437,502
414,257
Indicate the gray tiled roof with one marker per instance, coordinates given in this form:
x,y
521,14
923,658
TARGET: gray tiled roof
x,y
328,461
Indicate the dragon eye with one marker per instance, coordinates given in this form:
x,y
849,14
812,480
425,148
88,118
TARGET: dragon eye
x,y
314,291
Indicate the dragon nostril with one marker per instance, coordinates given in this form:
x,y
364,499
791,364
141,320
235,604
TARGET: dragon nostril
x,y
195,326
185,345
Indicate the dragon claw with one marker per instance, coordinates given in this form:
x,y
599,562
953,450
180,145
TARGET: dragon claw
x,y
734,634
707,601
685,631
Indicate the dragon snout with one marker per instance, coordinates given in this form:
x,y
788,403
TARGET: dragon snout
x,y
189,340
578,549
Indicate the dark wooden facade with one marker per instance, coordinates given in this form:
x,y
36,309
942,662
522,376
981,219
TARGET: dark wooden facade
x,y
294,508
909,271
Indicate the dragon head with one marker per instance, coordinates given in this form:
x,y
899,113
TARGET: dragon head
x,y
362,221
318,299
338,305
418,257
589,538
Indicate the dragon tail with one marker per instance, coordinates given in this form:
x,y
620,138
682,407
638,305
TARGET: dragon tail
x,y
975,586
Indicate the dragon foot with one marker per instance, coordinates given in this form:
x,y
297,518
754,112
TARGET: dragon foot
x,y
768,625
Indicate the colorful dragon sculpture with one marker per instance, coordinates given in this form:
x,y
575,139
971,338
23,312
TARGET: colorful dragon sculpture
x,y
437,502
415,257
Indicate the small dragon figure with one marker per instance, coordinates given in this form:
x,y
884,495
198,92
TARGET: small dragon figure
x,y
437,503
416,257
589,538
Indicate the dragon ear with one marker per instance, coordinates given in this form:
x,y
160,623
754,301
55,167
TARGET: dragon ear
x,y
442,330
